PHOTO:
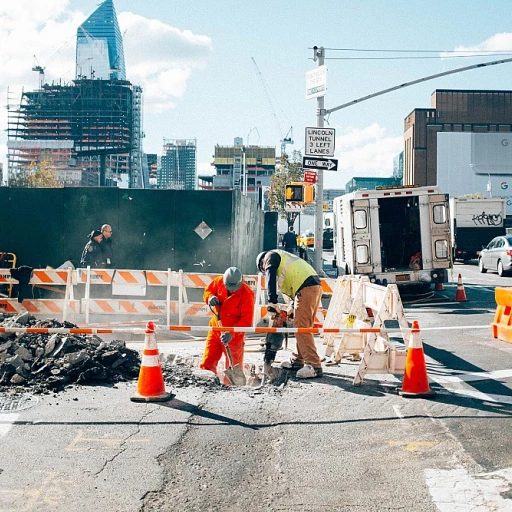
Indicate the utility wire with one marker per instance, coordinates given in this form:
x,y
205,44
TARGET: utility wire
x,y
419,58
412,51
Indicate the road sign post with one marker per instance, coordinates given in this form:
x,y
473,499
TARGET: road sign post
x,y
326,164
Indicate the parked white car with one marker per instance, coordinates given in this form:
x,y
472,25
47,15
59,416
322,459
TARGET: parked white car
x,y
497,256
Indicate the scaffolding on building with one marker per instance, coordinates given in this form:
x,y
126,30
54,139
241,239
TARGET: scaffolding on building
x,y
90,125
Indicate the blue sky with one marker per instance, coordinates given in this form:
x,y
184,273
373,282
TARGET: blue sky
x,y
193,60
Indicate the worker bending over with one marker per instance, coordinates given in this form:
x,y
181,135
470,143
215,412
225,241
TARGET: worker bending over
x,y
233,301
298,280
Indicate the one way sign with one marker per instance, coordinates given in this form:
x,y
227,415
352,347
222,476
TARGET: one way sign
x,y
327,164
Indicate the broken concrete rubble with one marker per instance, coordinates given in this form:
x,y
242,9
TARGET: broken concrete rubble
x,y
44,362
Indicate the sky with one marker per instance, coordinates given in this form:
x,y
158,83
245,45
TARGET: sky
x,y
214,70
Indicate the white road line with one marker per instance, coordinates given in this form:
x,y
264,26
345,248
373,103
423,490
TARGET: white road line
x,y
472,393
455,489
6,422
472,376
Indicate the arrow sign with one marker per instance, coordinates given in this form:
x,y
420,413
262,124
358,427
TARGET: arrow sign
x,y
327,164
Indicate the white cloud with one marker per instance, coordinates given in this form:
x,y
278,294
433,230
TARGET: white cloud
x,y
160,58
363,152
495,43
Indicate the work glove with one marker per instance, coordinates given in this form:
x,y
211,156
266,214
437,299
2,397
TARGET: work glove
x,y
225,337
213,301
273,308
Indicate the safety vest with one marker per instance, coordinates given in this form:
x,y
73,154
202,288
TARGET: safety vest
x,y
292,272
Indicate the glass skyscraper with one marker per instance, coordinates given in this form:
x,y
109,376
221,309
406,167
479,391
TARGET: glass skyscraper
x,y
99,46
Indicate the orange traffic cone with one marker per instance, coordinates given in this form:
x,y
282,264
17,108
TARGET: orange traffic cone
x,y
415,383
439,287
460,296
150,386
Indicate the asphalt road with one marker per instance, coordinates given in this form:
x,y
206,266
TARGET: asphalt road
x,y
319,445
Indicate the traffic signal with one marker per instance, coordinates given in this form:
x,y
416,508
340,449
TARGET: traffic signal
x,y
295,192
309,194
303,193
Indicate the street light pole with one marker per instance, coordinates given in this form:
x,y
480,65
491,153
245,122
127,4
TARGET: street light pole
x,y
319,54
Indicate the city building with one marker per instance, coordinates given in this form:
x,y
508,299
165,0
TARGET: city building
x,y
178,167
99,46
91,126
358,183
152,163
462,143
247,168
398,167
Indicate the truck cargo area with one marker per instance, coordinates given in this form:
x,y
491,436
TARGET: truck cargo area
x,y
400,231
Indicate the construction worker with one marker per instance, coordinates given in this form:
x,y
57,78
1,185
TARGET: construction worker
x,y
233,302
91,255
298,280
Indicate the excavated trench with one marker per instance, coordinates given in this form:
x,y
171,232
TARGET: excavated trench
x,y
48,363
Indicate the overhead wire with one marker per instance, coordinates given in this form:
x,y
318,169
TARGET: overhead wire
x,y
442,54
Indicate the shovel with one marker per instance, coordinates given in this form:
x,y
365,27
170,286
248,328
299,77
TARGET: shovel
x,y
235,374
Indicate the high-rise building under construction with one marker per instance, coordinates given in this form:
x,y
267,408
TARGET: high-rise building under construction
x,y
91,127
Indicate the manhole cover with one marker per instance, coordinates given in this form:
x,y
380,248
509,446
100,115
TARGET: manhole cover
x,y
18,403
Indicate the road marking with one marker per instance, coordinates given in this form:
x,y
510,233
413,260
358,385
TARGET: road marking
x,y
101,443
472,376
414,446
6,422
455,489
498,399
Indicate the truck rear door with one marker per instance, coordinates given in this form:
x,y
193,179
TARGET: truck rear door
x,y
361,237
440,231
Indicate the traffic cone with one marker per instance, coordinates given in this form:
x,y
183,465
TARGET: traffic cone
x,y
460,296
150,386
415,383
439,287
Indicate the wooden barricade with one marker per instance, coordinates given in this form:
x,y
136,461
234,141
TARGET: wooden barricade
x,y
353,297
43,278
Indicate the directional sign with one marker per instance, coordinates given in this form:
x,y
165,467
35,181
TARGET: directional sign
x,y
320,141
327,164
316,82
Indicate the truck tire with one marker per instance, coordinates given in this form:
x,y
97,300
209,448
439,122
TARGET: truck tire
x,y
481,267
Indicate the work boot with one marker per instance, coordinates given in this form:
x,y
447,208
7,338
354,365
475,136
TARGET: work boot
x,y
291,365
308,372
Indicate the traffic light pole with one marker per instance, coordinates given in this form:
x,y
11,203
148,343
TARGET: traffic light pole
x,y
319,54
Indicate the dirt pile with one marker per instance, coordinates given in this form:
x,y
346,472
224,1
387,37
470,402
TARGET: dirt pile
x,y
50,362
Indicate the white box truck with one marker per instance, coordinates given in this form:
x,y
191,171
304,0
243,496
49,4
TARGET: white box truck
x,y
474,223
395,235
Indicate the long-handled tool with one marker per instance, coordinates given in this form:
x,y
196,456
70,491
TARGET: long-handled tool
x,y
235,374
273,343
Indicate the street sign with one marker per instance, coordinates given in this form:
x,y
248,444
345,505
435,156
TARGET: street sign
x,y
309,176
327,164
316,82
320,141
293,207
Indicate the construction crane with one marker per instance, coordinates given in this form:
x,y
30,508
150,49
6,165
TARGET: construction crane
x,y
37,67
288,138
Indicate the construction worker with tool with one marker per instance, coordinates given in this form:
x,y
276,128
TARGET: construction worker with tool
x,y
232,301
298,280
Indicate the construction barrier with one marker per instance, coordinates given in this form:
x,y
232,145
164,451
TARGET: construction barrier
x,y
502,325
131,283
352,300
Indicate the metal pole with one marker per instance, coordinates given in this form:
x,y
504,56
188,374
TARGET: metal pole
x,y
319,55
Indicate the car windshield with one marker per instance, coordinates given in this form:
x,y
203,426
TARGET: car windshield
x,y
509,240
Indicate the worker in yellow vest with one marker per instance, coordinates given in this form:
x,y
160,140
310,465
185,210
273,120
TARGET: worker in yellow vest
x,y
297,279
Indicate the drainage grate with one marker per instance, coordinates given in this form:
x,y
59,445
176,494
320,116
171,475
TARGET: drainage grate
x,y
17,403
